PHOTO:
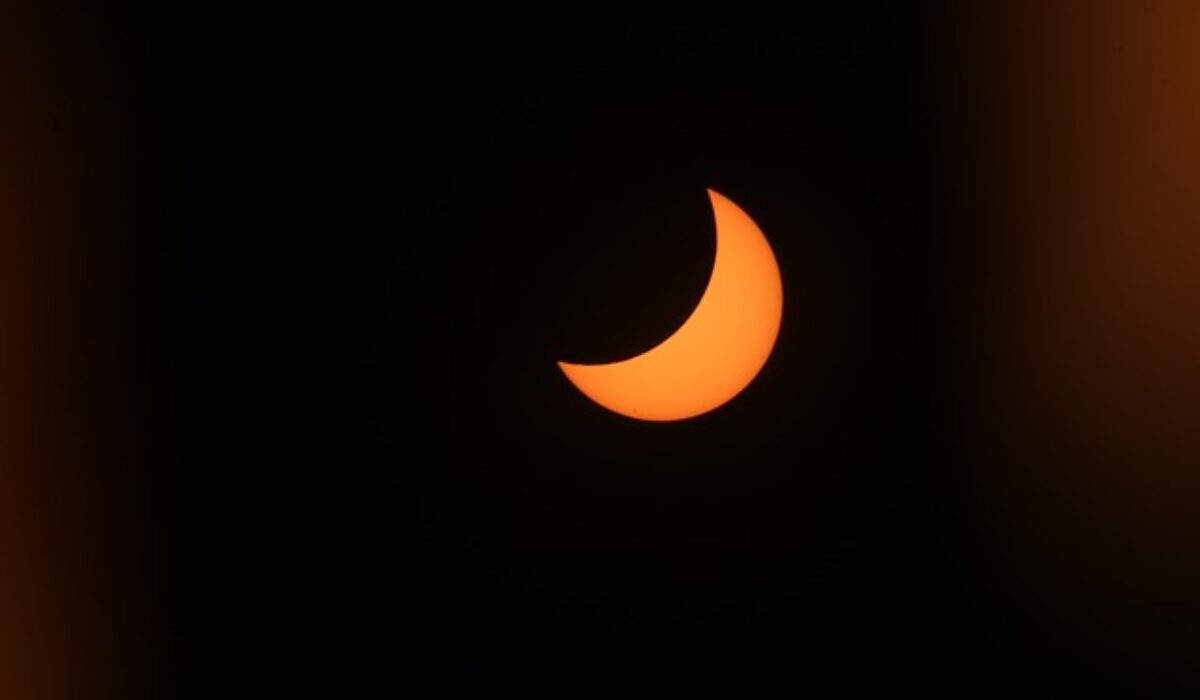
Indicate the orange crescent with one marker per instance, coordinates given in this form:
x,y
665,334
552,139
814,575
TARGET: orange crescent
x,y
718,350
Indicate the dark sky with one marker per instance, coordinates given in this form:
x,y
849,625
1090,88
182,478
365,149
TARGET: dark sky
x,y
286,412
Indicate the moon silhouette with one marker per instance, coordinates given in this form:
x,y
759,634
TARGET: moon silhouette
x,y
718,350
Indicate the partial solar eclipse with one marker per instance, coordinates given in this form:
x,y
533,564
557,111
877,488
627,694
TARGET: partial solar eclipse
x,y
718,350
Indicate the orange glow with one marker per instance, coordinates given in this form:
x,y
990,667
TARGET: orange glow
x,y
721,347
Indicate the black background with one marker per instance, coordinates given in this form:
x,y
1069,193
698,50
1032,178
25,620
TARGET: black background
x,y
496,195
361,243
800,530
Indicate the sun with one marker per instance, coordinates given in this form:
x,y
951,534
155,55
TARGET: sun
x,y
718,350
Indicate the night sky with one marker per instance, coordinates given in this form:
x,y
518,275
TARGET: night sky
x,y
285,289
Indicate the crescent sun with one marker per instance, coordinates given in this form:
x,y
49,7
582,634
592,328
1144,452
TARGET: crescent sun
x,y
718,350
